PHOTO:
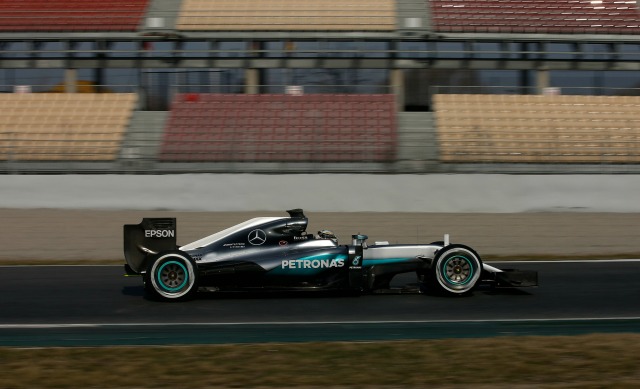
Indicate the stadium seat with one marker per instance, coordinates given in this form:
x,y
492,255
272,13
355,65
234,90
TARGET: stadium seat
x,y
70,126
287,15
536,16
281,128
528,129
71,15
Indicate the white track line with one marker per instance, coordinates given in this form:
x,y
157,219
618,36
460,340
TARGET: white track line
x,y
55,265
303,323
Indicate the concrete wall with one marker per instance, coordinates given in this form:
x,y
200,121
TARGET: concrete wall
x,y
477,193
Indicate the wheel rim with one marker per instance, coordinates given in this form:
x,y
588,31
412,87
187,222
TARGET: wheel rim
x,y
458,270
172,276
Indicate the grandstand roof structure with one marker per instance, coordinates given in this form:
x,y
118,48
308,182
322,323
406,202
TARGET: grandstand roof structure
x,y
380,34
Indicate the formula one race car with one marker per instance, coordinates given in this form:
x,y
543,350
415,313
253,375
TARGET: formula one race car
x,y
276,253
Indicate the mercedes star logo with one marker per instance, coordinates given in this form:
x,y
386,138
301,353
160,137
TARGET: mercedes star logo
x,y
257,237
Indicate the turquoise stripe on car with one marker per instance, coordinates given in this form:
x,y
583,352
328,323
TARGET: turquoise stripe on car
x,y
383,261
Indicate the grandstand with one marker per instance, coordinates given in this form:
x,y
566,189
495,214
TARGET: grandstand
x,y
536,128
264,127
251,15
71,15
324,85
64,127
536,16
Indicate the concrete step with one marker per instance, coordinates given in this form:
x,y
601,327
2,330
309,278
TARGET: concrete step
x,y
143,137
417,137
161,16
413,17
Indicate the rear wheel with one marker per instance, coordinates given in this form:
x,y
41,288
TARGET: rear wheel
x,y
457,270
172,276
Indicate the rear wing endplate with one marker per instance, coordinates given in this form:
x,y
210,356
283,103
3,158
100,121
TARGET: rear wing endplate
x,y
151,236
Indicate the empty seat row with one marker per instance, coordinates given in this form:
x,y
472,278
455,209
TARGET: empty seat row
x,y
278,99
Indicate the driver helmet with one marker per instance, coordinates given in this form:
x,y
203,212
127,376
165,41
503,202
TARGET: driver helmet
x,y
327,234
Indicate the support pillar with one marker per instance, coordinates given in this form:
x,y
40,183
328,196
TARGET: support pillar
x,y
71,81
396,79
252,81
542,80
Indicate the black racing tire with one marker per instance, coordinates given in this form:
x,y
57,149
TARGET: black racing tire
x,y
456,270
171,276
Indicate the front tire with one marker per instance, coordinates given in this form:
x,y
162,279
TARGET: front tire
x,y
172,276
457,270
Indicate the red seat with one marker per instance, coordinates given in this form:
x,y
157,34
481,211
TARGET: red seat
x,y
71,15
535,16
282,128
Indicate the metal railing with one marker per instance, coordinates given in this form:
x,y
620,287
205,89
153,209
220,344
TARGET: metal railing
x,y
533,90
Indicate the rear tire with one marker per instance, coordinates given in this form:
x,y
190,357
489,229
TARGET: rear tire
x,y
172,276
457,270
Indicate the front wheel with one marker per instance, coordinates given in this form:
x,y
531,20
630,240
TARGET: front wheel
x,y
172,276
457,270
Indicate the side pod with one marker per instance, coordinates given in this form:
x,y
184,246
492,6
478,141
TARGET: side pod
x,y
150,237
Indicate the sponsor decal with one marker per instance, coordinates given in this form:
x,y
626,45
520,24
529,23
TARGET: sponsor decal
x,y
283,243
159,233
312,263
239,245
300,237
257,237
355,263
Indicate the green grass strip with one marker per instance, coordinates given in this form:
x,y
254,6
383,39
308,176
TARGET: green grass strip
x,y
585,361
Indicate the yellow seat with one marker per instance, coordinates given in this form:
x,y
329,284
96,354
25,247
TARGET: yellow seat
x,y
553,129
63,126
287,15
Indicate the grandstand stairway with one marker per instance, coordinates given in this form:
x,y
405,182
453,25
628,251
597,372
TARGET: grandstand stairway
x,y
413,17
417,142
142,140
164,11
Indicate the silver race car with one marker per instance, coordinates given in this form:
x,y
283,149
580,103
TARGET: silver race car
x,y
277,253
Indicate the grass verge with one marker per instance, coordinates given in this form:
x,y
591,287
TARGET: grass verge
x,y
587,361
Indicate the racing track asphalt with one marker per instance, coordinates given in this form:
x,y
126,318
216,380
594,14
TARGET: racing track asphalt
x,y
96,305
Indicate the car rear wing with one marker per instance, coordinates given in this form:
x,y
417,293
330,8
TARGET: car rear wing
x,y
150,237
